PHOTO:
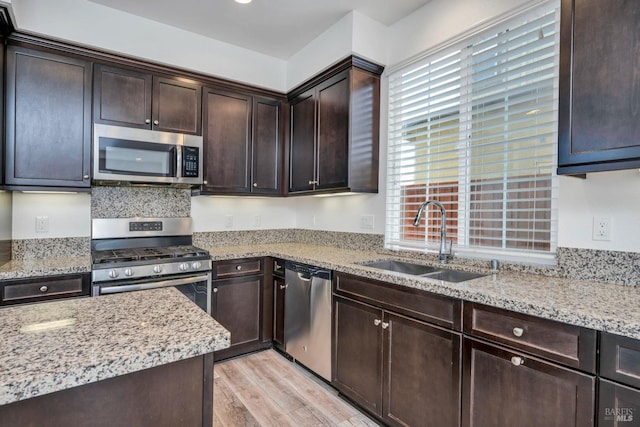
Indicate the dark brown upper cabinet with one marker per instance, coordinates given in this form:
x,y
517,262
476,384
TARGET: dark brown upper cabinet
x,y
334,130
48,119
130,98
242,145
599,106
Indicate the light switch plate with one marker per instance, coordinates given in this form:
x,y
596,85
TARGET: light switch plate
x,y
42,224
366,222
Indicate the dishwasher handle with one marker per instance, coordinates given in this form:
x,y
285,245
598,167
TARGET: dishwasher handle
x,y
306,272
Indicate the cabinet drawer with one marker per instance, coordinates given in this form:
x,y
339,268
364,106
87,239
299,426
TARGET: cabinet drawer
x,y
237,267
419,304
42,289
571,345
620,359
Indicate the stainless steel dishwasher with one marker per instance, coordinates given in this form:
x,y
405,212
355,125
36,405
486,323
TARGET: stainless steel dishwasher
x,y
307,317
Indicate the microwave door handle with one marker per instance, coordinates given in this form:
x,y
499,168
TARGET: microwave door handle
x,y
152,285
179,161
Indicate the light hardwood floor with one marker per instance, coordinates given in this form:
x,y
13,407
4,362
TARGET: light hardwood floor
x,y
266,389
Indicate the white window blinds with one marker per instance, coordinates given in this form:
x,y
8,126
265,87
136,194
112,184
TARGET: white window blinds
x,y
474,126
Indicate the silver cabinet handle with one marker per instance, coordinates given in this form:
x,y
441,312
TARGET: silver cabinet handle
x,y
385,325
377,322
155,122
238,267
147,121
255,185
44,288
283,286
204,182
518,332
85,176
215,290
517,361
313,182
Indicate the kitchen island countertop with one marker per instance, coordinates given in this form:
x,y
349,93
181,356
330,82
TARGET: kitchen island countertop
x,y
601,306
52,346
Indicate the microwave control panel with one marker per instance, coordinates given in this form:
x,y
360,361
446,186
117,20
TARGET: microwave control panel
x,y
190,161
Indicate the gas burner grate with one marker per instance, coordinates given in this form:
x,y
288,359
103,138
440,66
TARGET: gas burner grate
x,y
146,254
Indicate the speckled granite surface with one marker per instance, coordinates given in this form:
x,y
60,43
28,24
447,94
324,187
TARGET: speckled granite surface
x,y
602,306
36,267
50,247
92,339
149,202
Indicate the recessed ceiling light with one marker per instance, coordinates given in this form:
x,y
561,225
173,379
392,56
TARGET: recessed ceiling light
x,y
243,1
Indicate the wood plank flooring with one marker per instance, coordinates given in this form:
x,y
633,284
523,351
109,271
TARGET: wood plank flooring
x,y
266,389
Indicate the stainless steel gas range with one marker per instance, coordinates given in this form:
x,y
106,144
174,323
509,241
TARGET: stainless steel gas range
x,y
134,254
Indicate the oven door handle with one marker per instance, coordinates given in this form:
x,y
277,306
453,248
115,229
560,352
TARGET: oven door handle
x,y
153,285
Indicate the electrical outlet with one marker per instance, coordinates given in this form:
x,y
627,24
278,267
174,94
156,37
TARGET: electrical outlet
x,y
228,221
601,228
42,224
366,222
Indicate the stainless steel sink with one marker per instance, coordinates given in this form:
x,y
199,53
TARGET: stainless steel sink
x,y
455,276
402,267
437,273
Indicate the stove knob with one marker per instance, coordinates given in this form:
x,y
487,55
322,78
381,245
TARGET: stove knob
x,y
184,266
128,272
113,273
196,265
157,269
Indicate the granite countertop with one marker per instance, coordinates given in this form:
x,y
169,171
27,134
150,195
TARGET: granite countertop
x,y
601,306
18,269
53,346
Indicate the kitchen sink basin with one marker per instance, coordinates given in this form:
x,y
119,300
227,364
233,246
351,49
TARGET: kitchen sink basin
x,y
455,276
402,267
437,273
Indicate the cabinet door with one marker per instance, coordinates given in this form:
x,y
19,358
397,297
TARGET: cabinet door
x,y
357,360
227,149
266,148
48,119
599,118
237,306
618,405
279,290
421,374
121,97
302,143
333,133
177,106
502,388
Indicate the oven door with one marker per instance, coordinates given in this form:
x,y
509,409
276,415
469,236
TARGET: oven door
x,y
196,288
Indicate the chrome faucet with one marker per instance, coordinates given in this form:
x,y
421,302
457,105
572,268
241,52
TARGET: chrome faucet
x,y
443,254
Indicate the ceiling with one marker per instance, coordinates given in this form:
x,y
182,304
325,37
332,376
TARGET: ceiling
x,y
277,28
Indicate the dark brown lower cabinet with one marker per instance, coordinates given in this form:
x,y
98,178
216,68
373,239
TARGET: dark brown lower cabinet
x,y
618,405
237,305
404,371
357,363
176,394
503,388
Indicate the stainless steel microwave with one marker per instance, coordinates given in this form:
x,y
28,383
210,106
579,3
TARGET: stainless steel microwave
x,y
146,156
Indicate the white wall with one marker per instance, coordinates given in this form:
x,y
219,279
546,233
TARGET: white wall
x,y
214,213
96,25
69,215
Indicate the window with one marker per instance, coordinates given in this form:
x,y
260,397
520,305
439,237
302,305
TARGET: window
x,y
474,126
